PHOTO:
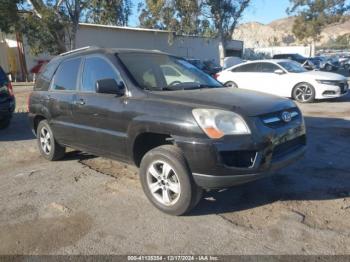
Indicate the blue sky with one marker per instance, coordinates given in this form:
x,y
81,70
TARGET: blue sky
x,y
266,11
263,11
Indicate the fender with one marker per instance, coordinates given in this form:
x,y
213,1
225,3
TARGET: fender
x,y
160,125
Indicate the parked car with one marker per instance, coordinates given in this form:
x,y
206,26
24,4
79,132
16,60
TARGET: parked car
x,y
207,66
285,78
7,100
185,136
307,63
326,63
345,62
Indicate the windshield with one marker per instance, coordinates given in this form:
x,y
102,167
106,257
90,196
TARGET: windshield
x,y
292,67
158,72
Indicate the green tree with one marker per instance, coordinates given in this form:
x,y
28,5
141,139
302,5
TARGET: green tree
x,y
225,16
51,25
313,15
180,16
195,17
109,12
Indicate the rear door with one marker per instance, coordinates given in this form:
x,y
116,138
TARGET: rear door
x,y
60,100
243,76
100,118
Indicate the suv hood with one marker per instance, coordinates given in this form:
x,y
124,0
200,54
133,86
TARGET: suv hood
x,y
320,75
246,102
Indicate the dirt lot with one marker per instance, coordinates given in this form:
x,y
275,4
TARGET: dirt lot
x,y
90,205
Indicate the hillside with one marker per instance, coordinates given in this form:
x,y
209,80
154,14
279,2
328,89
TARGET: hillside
x,y
279,32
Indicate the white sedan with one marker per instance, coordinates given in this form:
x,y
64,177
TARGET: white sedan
x,y
284,78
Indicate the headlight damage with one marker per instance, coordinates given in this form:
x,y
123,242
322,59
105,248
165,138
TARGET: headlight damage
x,y
218,123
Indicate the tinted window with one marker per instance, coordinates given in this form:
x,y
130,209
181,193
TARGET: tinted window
x,y
49,70
96,68
280,56
252,67
267,68
66,75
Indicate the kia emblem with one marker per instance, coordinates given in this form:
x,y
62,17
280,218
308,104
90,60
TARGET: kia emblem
x,y
286,117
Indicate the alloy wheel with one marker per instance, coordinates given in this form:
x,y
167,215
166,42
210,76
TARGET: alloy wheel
x,y
163,183
303,93
45,140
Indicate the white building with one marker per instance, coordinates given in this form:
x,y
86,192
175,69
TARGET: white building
x,y
203,48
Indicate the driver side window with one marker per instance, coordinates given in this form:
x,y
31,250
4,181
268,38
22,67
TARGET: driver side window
x,y
95,69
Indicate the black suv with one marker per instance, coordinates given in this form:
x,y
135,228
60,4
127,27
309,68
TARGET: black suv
x,y
182,128
7,100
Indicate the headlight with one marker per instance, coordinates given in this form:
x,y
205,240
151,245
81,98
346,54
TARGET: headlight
x,y
218,123
328,82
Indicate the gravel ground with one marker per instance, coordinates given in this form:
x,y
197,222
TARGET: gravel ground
x,y
90,205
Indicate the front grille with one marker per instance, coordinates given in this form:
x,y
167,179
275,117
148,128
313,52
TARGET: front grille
x,y
239,159
288,147
275,120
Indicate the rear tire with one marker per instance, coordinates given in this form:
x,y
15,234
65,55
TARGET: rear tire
x,y
48,146
231,84
304,93
167,181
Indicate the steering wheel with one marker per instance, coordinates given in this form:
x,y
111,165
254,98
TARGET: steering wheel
x,y
175,83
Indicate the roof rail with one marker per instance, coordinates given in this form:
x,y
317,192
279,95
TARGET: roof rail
x,y
77,50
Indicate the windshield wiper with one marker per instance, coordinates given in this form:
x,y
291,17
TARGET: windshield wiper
x,y
187,86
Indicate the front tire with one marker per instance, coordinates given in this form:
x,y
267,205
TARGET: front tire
x,y
304,93
48,146
167,181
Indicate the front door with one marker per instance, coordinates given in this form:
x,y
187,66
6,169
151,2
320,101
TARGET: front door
x,y
101,127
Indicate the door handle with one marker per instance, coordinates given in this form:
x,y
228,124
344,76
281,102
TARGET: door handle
x,y
79,102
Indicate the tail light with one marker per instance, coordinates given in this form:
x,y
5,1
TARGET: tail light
x,y
10,89
216,76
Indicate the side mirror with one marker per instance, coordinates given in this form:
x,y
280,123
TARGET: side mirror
x,y
110,86
279,72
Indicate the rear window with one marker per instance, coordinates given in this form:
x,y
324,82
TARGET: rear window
x,y
66,76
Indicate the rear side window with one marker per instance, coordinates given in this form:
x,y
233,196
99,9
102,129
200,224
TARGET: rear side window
x,y
246,68
66,76
45,77
95,69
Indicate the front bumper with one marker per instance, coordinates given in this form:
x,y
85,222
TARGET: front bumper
x,y
214,164
331,91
